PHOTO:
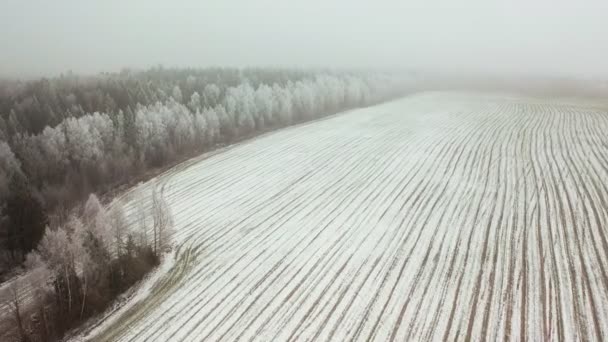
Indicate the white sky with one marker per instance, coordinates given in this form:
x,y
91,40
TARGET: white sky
x,y
558,37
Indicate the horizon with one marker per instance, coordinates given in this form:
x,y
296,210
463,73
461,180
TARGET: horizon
x,y
559,38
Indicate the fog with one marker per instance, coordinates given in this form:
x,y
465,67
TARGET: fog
x,y
540,37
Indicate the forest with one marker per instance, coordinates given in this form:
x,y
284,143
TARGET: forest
x,y
65,139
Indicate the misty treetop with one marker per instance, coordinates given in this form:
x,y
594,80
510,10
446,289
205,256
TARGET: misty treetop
x,y
28,107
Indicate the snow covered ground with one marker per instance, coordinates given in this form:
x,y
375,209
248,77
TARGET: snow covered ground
x,y
437,216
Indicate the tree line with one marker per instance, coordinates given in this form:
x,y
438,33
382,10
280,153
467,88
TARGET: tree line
x,y
63,138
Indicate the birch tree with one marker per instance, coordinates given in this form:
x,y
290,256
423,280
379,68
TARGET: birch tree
x,y
163,222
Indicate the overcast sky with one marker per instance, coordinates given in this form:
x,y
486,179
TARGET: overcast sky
x,y
559,37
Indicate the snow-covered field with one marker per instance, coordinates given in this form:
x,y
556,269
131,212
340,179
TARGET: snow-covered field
x,y
438,216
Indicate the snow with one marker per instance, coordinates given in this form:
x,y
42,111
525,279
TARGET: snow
x,y
437,216
141,292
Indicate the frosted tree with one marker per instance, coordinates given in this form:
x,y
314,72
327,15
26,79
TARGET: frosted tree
x,y
92,210
239,102
118,227
201,130
94,248
284,106
162,222
54,147
101,125
211,95
213,124
195,102
152,135
227,126
84,265
95,219
57,250
331,92
176,93
230,102
183,127
143,131
85,143
119,157
53,249
265,103
304,100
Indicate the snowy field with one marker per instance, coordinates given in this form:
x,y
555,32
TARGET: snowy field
x,y
439,216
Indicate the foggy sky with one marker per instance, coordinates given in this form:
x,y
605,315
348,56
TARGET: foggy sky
x,y
559,37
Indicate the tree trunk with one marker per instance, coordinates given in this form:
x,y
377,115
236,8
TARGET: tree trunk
x,y
84,295
155,239
67,278
17,312
45,325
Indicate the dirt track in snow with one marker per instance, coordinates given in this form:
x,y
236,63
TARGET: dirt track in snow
x,y
437,216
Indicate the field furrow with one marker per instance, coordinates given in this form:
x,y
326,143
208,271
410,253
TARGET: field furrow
x,y
440,216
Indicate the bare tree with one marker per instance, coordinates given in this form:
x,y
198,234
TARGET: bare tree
x,y
57,249
163,222
95,219
142,219
118,226
86,265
